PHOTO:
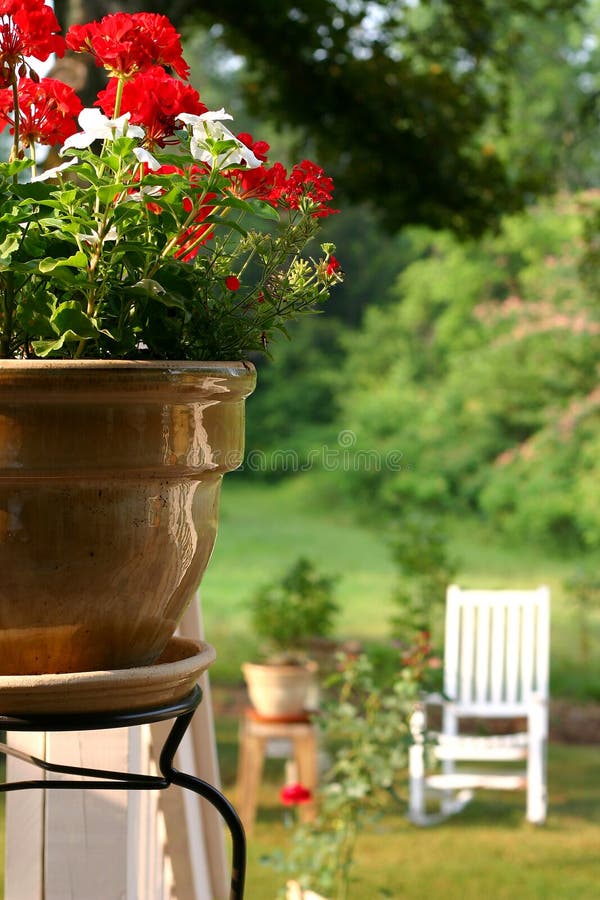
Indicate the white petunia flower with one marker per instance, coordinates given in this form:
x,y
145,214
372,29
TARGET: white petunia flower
x,y
52,173
144,156
97,127
94,238
208,127
209,115
146,190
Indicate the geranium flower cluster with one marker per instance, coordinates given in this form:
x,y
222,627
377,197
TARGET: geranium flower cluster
x,y
161,233
26,29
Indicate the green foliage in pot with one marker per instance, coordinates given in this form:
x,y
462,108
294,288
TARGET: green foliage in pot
x,y
293,610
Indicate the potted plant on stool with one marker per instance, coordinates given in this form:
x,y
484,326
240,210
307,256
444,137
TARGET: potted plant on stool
x,y
162,247
289,614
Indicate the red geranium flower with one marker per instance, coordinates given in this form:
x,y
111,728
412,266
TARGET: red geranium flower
x,y
259,148
333,265
154,100
47,111
295,794
261,182
307,181
26,30
165,41
232,283
126,43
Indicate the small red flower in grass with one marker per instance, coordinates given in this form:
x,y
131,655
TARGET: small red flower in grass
x,y
295,794
233,283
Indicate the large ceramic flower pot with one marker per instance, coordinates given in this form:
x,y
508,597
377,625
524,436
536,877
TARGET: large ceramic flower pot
x,y
110,474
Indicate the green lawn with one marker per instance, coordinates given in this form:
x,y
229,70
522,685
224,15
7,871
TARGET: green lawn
x,y
489,851
265,527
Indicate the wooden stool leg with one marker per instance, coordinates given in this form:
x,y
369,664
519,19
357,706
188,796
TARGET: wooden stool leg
x,y
252,755
306,759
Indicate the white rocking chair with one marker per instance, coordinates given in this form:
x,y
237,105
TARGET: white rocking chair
x,y
495,666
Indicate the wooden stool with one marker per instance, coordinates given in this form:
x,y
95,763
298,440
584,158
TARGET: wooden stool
x,y
261,737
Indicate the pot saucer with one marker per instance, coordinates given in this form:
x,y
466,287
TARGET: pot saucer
x,y
169,679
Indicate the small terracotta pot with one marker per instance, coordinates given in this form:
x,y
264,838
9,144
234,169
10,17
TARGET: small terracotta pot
x,y
110,475
278,691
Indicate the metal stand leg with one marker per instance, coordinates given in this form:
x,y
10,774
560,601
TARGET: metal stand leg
x,y
182,712
215,797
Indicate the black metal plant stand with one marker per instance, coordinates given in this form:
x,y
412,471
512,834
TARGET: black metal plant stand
x,y
182,711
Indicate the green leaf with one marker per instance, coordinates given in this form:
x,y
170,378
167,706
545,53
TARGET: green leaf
x,y
264,210
16,167
64,200
219,147
9,245
225,223
70,318
234,202
79,260
150,288
108,192
36,191
45,348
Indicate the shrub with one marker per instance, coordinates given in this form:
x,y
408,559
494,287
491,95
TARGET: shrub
x,y
299,606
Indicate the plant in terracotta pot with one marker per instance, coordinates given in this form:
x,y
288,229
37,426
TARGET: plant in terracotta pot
x,y
160,248
289,614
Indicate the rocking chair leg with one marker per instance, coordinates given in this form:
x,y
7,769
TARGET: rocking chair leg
x,y
416,766
416,787
536,768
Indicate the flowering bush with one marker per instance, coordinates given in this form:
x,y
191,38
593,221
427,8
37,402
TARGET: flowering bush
x,y
365,726
161,234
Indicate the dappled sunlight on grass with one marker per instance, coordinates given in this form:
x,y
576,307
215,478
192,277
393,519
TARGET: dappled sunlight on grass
x,y
489,851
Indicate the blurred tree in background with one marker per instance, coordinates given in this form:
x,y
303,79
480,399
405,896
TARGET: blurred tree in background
x,y
401,101
484,374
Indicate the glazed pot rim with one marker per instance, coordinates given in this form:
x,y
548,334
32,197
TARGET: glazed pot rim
x,y
232,367
95,380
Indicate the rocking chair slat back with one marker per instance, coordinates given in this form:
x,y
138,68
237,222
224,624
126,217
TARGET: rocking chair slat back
x,y
496,647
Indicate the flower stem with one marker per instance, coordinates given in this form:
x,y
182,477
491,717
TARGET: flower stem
x,y
14,153
119,96
8,297
33,159
8,302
